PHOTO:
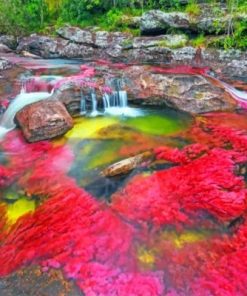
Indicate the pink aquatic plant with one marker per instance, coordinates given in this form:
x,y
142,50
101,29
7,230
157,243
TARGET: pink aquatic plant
x,y
96,244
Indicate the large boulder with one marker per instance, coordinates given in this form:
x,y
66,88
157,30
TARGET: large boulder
x,y
95,39
49,47
46,47
44,120
76,34
190,93
157,22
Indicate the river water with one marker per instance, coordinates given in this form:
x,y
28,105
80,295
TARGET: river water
x,y
175,225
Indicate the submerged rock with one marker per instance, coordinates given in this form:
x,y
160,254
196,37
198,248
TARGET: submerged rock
x,y
44,120
127,165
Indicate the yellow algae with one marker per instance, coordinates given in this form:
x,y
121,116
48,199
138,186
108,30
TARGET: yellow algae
x,y
86,128
146,257
19,208
118,131
188,237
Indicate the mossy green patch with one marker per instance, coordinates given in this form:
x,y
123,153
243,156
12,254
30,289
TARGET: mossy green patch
x,y
156,125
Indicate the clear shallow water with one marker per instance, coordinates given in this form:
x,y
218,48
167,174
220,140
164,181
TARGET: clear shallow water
x,y
175,226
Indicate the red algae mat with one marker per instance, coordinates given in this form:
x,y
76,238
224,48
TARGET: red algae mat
x,y
173,232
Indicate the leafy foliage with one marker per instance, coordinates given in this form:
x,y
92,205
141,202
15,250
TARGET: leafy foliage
x,y
20,17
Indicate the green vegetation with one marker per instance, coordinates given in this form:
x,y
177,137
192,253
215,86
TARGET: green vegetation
x,y
193,8
26,16
22,17
199,41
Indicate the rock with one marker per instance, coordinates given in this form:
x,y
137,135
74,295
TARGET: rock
x,y
76,34
127,165
9,41
183,55
109,40
189,93
72,50
157,22
170,41
27,54
4,48
44,120
46,47
71,99
211,25
101,39
5,64
236,69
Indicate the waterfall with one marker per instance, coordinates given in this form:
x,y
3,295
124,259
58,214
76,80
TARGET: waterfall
x,y
116,104
94,104
82,104
23,99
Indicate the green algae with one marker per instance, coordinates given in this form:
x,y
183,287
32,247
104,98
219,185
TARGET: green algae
x,y
157,124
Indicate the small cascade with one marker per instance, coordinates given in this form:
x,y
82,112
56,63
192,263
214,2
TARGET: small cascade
x,y
238,95
94,104
82,104
23,99
116,103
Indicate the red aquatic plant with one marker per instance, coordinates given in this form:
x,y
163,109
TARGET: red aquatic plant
x,y
71,230
181,69
96,244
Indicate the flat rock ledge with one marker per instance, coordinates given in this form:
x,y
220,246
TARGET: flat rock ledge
x,y
44,120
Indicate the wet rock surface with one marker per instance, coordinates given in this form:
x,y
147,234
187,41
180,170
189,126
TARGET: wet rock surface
x,y
191,93
44,120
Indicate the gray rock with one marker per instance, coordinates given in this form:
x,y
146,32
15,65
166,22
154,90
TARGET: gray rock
x,y
157,22
5,64
73,50
76,34
183,55
4,48
236,69
170,41
46,47
9,41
